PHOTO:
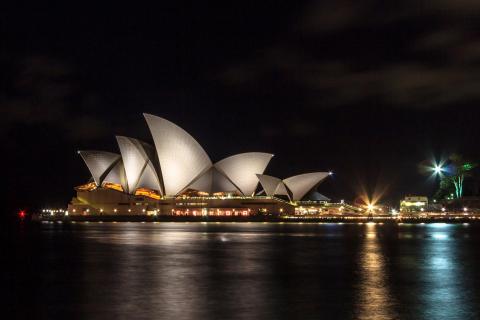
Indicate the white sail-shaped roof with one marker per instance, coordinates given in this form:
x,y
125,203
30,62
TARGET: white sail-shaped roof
x,y
242,169
316,196
220,183
282,190
269,183
149,179
301,184
99,163
204,182
180,156
137,162
117,175
213,181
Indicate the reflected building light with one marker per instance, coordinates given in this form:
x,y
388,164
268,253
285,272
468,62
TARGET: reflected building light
x,y
374,300
443,271
438,225
439,236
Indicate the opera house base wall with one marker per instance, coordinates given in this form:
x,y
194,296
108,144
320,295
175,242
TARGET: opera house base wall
x,y
108,202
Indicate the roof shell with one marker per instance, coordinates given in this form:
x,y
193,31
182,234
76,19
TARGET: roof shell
x,y
99,163
139,167
117,175
213,181
242,169
181,157
299,185
269,183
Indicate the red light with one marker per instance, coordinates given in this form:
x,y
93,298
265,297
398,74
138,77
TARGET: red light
x,y
21,214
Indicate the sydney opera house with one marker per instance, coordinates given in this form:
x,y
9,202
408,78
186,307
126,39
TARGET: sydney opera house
x,y
176,177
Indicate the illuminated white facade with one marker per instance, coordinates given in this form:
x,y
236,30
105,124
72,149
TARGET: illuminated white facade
x,y
99,163
241,169
295,188
181,157
137,159
269,184
116,175
178,164
301,184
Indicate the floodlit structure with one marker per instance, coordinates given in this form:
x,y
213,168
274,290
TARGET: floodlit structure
x,y
105,167
175,176
411,204
295,188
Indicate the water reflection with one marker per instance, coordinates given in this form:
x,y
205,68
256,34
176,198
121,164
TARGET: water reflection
x,y
374,299
250,271
442,275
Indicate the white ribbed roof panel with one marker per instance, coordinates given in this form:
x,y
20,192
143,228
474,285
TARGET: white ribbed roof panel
x,y
99,162
269,183
203,182
149,178
220,183
282,190
213,181
117,175
136,161
301,184
181,157
242,169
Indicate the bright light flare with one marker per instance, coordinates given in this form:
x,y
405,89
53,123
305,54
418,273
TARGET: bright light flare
x,y
437,169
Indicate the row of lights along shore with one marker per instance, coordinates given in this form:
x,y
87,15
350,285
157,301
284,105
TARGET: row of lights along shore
x,y
65,212
53,212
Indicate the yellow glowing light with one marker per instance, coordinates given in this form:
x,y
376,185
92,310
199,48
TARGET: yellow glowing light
x,y
87,187
113,186
147,193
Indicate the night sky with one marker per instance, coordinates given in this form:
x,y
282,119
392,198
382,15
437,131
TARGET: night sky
x,y
367,89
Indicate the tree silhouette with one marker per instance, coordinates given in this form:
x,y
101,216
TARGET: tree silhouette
x,y
453,175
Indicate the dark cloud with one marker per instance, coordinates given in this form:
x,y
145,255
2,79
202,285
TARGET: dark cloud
x,y
46,92
340,53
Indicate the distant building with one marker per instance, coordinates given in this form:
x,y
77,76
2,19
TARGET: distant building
x,y
411,204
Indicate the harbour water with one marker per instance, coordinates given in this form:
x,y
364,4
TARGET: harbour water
x,y
242,271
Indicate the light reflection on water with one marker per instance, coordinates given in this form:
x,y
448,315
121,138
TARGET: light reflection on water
x,y
250,271
374,299
443,274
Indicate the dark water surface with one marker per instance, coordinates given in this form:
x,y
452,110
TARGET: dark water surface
x,y
243,271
